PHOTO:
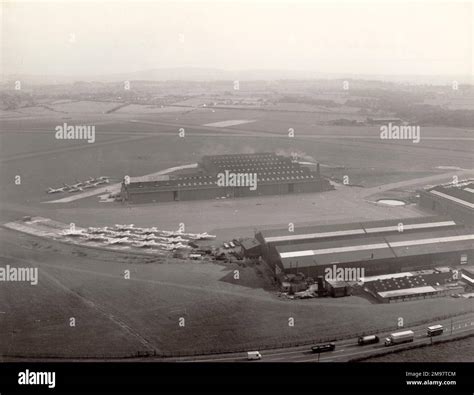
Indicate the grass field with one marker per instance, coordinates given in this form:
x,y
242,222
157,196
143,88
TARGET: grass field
x,y
115,316
145,309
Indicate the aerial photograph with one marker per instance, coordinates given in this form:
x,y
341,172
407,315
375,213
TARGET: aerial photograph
x,y
237,182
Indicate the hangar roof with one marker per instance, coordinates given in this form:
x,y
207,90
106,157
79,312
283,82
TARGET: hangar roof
x,y
306,233
374,248
407,291
462,196
201,182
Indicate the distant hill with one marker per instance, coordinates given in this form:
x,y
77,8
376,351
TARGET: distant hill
x,y
212,74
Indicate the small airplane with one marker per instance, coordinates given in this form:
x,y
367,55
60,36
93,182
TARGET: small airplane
x,y
171,233
176,239
111,233
200,236
140,244
124,233
70,232
97,230
89,185
150,237
124,227
181,246
147,230
147,244
140,237
96,238
121,240
73,188
56,190
76,185
102,181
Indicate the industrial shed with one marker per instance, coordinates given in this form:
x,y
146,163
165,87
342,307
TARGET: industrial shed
x,y
379,254
275,175
455,201
410,286
270,238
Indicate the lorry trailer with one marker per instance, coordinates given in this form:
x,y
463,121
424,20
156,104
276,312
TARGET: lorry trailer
x,y
399,338
372,339
434,330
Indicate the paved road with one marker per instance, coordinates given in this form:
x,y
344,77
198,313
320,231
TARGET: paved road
x,y
349,349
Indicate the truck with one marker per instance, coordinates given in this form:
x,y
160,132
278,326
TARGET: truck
x,y
253,355
434,330
371,339
399,338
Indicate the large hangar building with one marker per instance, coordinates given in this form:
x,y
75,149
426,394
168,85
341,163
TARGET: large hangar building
x,y
455,201
275,175
379,247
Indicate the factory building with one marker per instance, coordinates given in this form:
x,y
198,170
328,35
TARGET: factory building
x,y
455,201
414,285
230,176
378,247
271,238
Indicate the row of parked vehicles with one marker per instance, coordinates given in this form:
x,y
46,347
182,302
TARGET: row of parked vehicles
x,y
392,339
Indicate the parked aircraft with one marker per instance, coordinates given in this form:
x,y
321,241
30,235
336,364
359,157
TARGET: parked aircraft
x,y
56,190
76,185
200,236
102,181
124,227
122,240
74,189
97,230
70,232
96,237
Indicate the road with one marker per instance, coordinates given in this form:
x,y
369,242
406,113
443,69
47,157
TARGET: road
x,y
348,349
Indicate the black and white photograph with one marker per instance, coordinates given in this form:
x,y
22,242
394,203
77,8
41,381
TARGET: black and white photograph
x,y
245,184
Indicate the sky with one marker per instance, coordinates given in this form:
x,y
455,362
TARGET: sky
x,y
356,37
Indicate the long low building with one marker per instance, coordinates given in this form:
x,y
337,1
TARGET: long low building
x,y
270,238
378,255
414,285
378,247
229,176
455,201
